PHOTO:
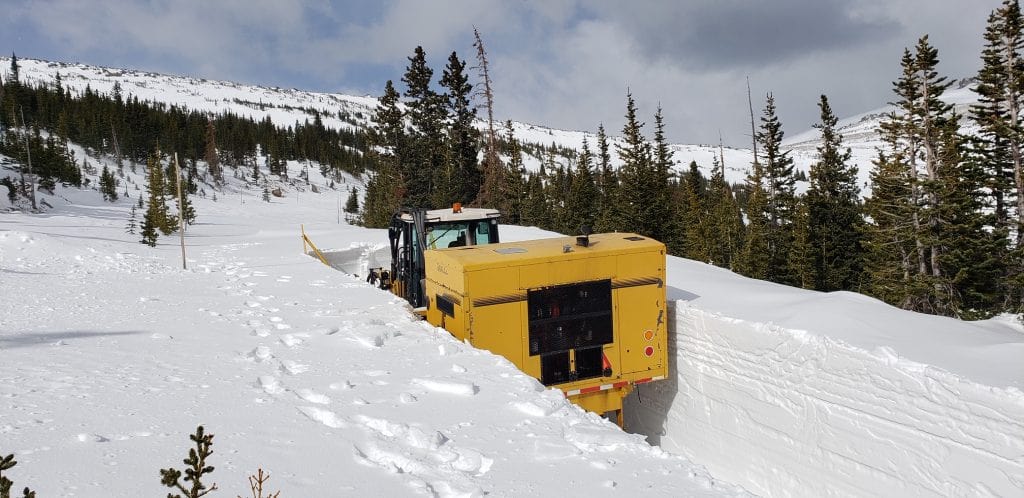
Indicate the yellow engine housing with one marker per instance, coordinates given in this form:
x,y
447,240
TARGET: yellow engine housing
x,y
554,307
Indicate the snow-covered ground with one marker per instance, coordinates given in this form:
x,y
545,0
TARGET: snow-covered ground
x,y
112,354
800,393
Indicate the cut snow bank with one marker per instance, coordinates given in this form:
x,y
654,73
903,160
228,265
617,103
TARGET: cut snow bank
x,y
819,411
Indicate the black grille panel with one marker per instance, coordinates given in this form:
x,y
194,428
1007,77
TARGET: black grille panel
x,y
566,318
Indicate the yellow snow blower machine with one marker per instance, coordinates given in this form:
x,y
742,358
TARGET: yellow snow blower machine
x,y
584,314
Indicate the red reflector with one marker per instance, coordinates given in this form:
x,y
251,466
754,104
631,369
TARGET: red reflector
x,y
649,351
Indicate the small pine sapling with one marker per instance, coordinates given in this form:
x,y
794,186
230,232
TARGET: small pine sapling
x,y
256,484
7,463
197,468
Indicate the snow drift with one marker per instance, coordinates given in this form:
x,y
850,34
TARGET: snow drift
x,y
786,411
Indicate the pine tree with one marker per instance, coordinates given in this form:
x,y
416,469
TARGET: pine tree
x,y
513,188
385,190
913,136
581,202
972,254
536,211
426,145
14,76
757,257
609,216
779,190
352,204
889,243
661,205
462,136
132,223
108,185
831,235
1000,140
723,228
211,157
637,179
156,217
694,212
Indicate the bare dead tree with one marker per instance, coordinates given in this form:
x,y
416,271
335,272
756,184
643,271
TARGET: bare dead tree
x,y
753,132
492,168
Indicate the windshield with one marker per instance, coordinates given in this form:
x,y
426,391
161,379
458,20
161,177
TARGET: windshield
x,y
457,234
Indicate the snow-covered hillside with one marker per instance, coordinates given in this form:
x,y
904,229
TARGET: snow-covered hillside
x,y
285,107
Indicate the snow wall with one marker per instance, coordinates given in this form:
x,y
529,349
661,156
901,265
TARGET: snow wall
x,y
790,413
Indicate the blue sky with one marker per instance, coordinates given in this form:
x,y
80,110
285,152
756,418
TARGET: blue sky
x,y
561,63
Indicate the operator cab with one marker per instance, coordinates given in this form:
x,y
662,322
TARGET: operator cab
x,y
414,231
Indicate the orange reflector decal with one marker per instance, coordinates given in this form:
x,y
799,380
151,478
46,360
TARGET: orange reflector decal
x,y
649,334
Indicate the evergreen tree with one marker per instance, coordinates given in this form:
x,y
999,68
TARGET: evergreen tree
x,y
513,188
693,212
723,227
757,254
13,76
609,216
779,191
889,242
831,236
661,205
536,211
972,254
581,203
211,157
352,204
426,146
462,135
385,190
108,185
637,179
913,136
157,216
185,207
132,223
1000,140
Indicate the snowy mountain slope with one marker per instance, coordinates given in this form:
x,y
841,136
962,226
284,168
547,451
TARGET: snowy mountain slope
x,y
285,107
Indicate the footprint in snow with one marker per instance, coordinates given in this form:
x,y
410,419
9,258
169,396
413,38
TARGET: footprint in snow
x,y
456,387
260,353
293,368
292,340
326,417
271,384
91,438
313,396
